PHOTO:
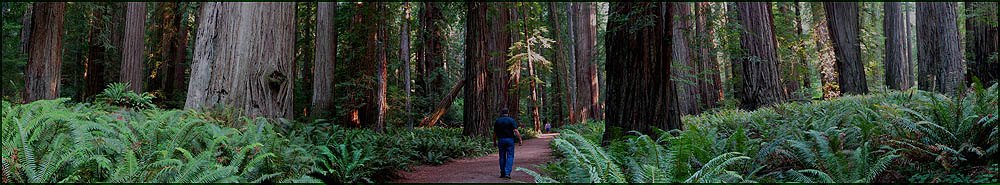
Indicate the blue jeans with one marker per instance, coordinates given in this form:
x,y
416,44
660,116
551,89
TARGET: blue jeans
x,y
506,146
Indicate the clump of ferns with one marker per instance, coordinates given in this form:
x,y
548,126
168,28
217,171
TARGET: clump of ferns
x,y
118,94
833,156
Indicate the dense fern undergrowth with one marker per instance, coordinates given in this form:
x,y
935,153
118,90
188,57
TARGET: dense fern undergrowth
x,y
910,136
124,138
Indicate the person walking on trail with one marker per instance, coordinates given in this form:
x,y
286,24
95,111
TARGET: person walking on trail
x,y
504,133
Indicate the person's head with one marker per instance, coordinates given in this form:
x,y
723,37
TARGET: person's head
x,y
503,112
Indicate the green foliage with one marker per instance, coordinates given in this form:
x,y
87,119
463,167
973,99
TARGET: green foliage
x,y
887,137
54,141
118,94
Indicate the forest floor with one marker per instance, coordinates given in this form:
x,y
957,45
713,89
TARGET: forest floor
x,y
486,169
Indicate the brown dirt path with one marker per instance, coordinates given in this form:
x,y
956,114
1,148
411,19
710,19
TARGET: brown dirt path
x,y
485,169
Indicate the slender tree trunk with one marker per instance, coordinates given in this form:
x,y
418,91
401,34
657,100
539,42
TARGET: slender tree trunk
x,y
535,115
559,94
45,51
430,56
940,57
640,92
244,59
760,66
826,57
683,69
898,72
708,68
179,54
442,106
326,55
133,67
93,75
982,41
574,116
842,19
404,53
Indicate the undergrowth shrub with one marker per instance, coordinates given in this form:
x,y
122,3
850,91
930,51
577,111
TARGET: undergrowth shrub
x,y
52,141
898,136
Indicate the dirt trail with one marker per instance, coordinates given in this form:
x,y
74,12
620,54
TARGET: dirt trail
x,y
486,169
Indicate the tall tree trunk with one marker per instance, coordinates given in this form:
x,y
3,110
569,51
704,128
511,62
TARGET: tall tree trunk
x,y
430,55
45,51
26,28
789,70
404,53
640,92
586,69
898,72
683,69
940,61
509,91
326,55
244,59
574,117
827,59
707,67
842,19
486,75
982,41
133,59
559,94
535,115
94,75
180,54
760,64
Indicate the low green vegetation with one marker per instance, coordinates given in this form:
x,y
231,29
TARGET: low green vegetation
x,y
120,138
910,136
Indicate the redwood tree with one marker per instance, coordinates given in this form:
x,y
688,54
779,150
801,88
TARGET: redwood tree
x,y
898,70
134,47
485,92
585,39
640,92
709,80
982,40
430,83
842,19
761,84
326,54
939,56
683,70
560,96
44,51
243,58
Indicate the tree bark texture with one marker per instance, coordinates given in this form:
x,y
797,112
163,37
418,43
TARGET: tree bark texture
x,y
244,59
26,28
762,86
683,69
898,70
442,106
640,92
404,53
133,46
94,73
574,117
45,51
585,30
982,41
842,20
326,55
939,53
487,77
707,67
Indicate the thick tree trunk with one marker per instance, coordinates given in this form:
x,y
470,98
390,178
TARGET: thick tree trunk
x,y
486,73
708,68
842,20
760,64
442,106
404,53
559,95
982,41
585,32
898,72
367,108
640,92
133,59
45,51
326,55
940,57
683,68
574,117
244,58
430,56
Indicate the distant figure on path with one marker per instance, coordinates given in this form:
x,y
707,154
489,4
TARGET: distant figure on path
x,y
548,128
504,131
